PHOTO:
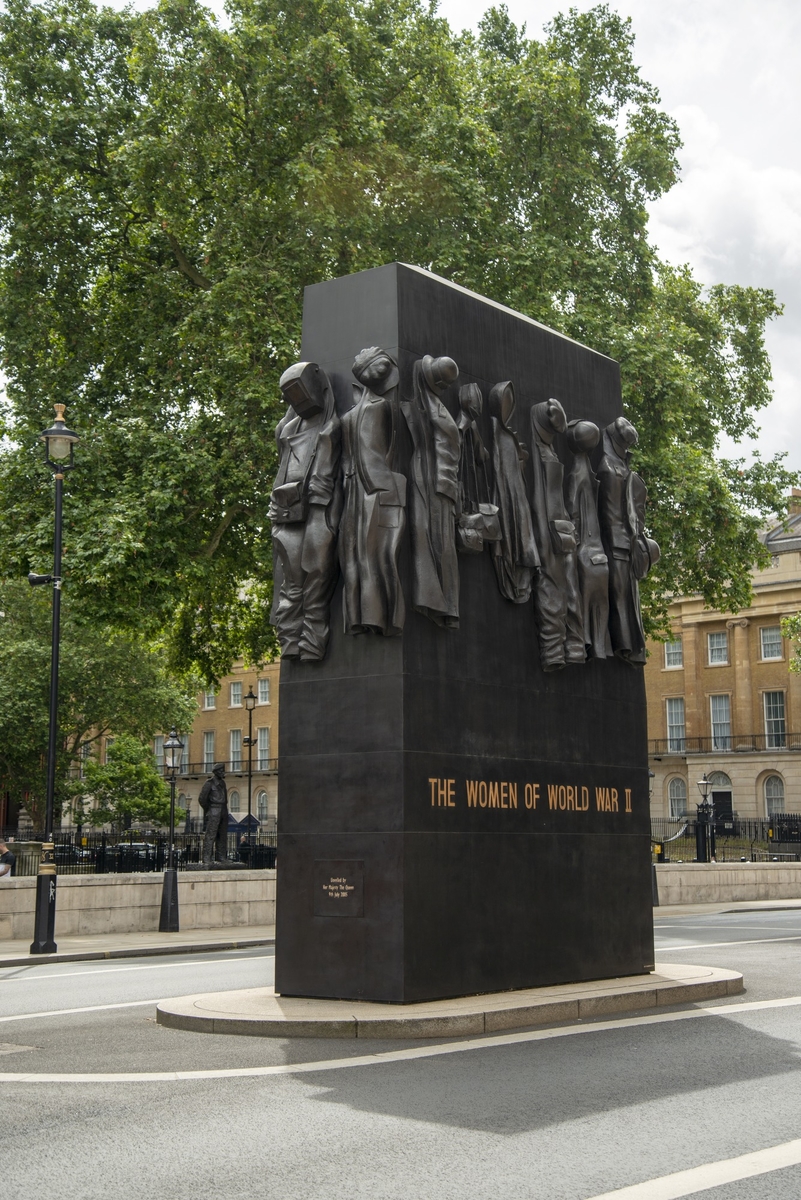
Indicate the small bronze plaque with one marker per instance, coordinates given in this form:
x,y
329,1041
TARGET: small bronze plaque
x,y
338,888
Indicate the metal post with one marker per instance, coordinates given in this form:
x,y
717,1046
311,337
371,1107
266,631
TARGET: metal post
x,y
168,918
45,917
250,784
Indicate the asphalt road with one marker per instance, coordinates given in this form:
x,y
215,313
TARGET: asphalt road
x,y
568,1116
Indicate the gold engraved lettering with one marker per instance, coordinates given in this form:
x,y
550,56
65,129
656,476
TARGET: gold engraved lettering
x,y
531,794
553,795
482,793
494,799
600,799
451,789
628,799
472,793
504,795
513,795
433,783
562,796
571,799
614,800
585,799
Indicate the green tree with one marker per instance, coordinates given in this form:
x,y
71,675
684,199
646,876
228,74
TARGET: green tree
x,y
110,683
168,187
126,788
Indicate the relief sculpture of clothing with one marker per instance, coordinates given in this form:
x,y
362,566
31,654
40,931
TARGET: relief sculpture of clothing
x,y
556,593
515,556
304,510
621,506
593,565
477,522
374,514
434,492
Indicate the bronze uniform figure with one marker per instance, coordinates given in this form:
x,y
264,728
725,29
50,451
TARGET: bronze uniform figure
x,y
304,510
593,565
434,493
556,594
621,505
374,515
515,557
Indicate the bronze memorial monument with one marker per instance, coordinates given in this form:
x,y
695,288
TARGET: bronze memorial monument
x,y
459,537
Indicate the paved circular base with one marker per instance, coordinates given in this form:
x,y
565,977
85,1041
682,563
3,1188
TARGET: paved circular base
x,y
259,1012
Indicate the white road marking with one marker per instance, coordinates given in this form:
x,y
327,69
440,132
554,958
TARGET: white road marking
x,y
717,945
204,962
391,1056
66,1012
711,1175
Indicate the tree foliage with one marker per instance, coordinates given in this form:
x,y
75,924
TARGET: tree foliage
x,y
110,683
168,187
126,788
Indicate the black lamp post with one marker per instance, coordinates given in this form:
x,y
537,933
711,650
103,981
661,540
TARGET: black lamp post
x,y
704,830
250,704
168,920
60,443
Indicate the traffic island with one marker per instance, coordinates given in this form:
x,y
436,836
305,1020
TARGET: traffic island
x,y
259,1012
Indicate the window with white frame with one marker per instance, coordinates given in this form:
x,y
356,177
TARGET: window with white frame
x,y
674,654
263,747
775,727
718,649
774,794
771,639
674,711
677,795
109,744
233,802
720,711
261,806
264,691
209,700
184,737
236,694
86,752
235,744
208,751
158,751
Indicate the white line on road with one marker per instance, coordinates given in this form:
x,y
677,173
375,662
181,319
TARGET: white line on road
x,y
711,1175
204,962
717,945
390,1056
66,1012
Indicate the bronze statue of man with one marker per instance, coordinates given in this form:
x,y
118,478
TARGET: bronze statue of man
x,y
305,508
214,802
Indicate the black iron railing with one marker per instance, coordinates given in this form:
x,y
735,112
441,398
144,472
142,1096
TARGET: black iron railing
x,y
737,839
137,851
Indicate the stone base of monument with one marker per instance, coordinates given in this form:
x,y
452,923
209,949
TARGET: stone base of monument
x,y
259,1012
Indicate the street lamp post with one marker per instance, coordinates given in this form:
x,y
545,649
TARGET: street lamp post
x,y
250,704
168,920
59,442
704,830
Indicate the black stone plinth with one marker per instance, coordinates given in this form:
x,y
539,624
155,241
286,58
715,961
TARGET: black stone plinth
x,y
451,819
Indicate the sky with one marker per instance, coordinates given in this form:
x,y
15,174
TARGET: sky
x,y
729,72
